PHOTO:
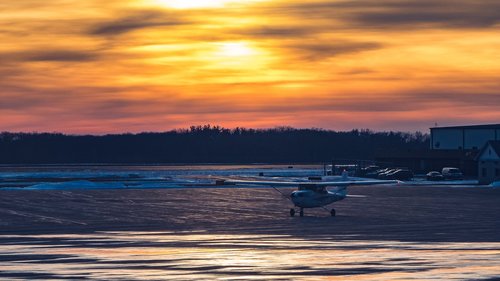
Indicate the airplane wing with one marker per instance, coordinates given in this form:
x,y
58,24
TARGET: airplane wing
x,y
254,182
367,182
304,183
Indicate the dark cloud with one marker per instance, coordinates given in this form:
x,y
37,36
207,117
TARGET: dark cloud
x,y
461,19
355,102
358,71
60,55
412,100
379,102
57,55
318,49
26,97
137,20
278,31
458,97
403,13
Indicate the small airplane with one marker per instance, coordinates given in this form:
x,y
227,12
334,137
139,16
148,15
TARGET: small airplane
x,y
310,194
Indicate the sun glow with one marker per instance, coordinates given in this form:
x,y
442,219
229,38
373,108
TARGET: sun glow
x,y
234,49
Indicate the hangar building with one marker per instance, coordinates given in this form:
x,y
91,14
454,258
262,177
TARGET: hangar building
x,y
463,137
456,146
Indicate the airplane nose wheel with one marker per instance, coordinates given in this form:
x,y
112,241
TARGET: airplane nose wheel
x,y
292,212
301,212
332,212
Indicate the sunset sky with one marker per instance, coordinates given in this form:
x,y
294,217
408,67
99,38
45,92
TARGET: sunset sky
x,y
113,66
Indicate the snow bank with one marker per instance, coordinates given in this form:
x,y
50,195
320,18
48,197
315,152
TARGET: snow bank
x,y
82,184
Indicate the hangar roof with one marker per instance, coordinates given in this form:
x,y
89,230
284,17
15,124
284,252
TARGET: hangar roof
x,y
486,126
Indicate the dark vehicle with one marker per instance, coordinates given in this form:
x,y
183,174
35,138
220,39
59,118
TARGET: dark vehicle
x,y
399,174
369,171
434,176
383,175
450,173
375,174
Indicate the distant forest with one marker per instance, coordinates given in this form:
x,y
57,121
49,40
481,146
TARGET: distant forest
x,y
205,144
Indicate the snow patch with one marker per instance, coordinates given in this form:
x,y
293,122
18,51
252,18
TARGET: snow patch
x,y
495,184
82,184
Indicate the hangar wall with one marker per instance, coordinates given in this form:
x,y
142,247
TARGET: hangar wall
x,y
463,137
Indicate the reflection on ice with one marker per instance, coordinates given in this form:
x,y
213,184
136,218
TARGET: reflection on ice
x,y
199,255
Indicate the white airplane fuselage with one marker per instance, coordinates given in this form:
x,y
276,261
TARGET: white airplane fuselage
x,y
310,194
313,199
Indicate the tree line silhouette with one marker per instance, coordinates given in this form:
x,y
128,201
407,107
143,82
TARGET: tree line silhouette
x,y
205,144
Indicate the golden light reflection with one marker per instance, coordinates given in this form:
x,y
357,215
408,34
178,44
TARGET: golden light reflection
x,y
206,256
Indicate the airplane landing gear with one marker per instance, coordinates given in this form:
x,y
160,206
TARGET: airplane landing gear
x,y
292,212
332,212
301,212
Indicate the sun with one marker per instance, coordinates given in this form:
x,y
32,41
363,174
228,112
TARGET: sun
x,y
234,49
242,57
193,4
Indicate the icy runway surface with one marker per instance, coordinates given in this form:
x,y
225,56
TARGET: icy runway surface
x,y
70,230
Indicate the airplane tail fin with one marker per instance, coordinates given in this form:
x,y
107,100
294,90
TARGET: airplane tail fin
x,y
345,175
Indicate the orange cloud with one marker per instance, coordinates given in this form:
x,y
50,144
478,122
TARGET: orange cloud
x,y
147,65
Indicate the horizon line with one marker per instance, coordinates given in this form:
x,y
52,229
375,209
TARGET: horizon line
x,y
209,126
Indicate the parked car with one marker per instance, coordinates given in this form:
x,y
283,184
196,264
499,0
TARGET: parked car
x,y
383,174
375,173
451,173
434,176
369,170
400,174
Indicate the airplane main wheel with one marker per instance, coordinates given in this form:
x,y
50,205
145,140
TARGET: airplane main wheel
x,y
332,212
292,212
301,213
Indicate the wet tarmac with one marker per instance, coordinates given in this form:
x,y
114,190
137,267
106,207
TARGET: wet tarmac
x,y
394,233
